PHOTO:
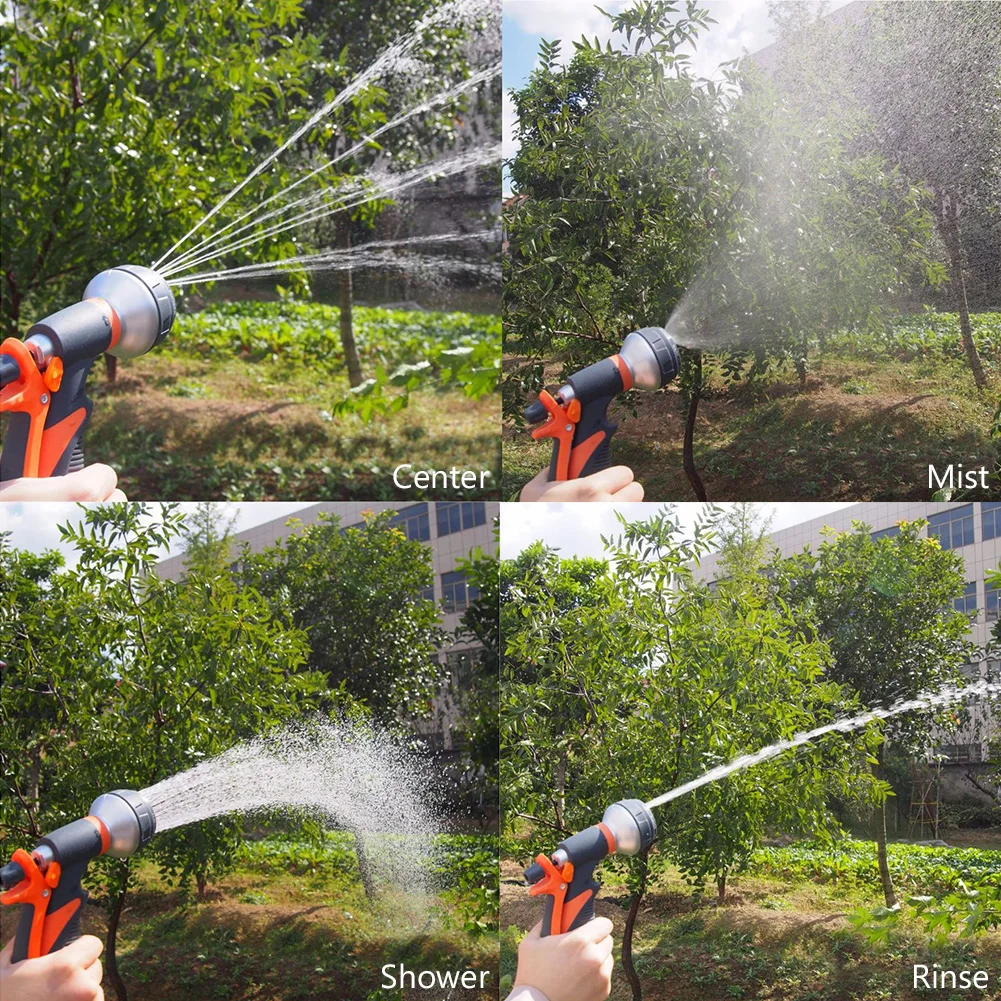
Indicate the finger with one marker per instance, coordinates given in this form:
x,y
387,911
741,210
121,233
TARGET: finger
x,y
533,489
603,948
117,495
83,952
595,930
611,480
99,996
95,483
536,932
95,972
632,492
606,967
5,953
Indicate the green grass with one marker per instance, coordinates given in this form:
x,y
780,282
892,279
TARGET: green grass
x,y
292,922
874,412
783,934
250,401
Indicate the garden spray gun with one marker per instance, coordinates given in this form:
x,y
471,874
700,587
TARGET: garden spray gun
x,y
578,414
46,883
125,312
566,878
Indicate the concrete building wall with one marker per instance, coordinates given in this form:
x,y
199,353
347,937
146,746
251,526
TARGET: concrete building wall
x,y
981,554
434,523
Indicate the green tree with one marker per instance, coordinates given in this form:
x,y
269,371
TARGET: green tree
x,y
924,83
136,678
656,678
885,607
478,700
644,194
357,593
208,539
124,123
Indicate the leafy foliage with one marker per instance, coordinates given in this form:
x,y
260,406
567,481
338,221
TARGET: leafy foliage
x,y
124,123
406,350
636,183
629,681
356,593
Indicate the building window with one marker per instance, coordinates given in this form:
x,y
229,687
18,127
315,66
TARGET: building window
x,y
991,514
952,528
961,754
967,602
414,522
885,533
427,594
461,664
991,595
456,594
455,516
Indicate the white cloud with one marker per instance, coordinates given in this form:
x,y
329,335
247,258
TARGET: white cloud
x,y
510,119
560,18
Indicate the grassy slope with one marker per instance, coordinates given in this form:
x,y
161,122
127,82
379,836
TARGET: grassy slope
x,y
862,429
238,403
273,936
775,940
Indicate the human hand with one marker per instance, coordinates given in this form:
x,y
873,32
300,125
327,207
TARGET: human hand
x,y
613,484
94,483
70,974
576,966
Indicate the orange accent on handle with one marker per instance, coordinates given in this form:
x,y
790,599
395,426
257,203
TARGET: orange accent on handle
x,y
53,376
560,425
571,908
609,836
56,922
105,833
583,452
116,325
554,884
52,874
24,396
56,440
33,892
626,375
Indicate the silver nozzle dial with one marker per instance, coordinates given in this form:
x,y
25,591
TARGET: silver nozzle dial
x,y
128,818
143,302
652,357
632,825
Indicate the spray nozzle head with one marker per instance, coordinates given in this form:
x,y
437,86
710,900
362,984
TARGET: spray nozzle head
x,y
632,825
652,357
129,819
143,302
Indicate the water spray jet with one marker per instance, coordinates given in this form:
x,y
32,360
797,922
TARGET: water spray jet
x,y
628,827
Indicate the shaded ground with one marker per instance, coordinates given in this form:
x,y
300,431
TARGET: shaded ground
x,y
857,431
212,430
258,937
774,940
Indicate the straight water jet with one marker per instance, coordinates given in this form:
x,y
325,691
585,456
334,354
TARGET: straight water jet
x,y
393,59
465,86
948,696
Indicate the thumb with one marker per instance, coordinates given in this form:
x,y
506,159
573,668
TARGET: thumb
x,y
6,953
536,932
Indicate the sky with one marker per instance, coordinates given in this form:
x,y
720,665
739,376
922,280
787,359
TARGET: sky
x,y
576,529
741,26
35,526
